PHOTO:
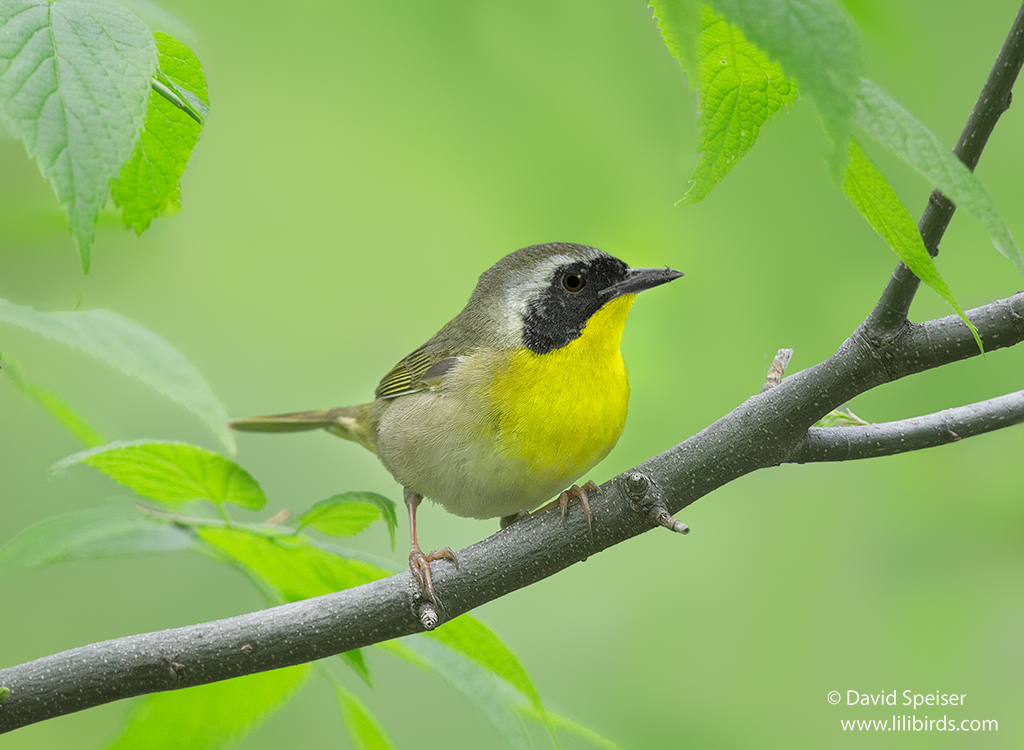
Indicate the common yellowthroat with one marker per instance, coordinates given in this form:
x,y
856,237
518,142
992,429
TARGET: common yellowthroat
x,y
513,400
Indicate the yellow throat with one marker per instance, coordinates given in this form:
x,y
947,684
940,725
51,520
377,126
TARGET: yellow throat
x,y
563,411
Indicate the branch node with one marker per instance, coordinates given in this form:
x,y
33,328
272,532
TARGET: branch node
x,y
428,616
5,693
177,670
664,518
638,488
777,369
637,485
246,649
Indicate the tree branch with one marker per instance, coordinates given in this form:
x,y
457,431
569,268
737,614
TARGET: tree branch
x,y
995,97
891,438
766,430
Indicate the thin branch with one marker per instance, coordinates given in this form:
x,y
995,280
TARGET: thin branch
x,y
891,438
764,431
891,311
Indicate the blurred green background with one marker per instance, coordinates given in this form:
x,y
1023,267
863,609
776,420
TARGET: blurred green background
x,y
363,163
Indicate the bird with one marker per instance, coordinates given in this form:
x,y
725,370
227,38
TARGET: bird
x,y
511,402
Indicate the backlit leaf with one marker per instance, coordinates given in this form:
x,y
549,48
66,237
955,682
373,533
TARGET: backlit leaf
x,y
364,729
679,24
878,203
740,89
172,472
209,716
54,405
291,566
883,118
74,80
132,349
350,513
468,636
294,569
100,532
496,699
148,185
818,45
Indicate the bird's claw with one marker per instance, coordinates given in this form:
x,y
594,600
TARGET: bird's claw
x,y
419,564
579,493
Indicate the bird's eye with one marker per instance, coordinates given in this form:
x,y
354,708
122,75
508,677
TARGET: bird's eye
x,y
573,282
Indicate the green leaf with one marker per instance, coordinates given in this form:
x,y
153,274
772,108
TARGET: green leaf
x,y
74,78
350,513
126,346
293,569
357,662
818,45
885,120
210,716
740,89
477,663
172,472
291,566
5,693
148,185
570,727
54,405
472,639
88,534
494,697
841,417
679,24
878,203
364,729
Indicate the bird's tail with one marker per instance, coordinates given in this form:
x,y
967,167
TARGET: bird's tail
x,y
349,422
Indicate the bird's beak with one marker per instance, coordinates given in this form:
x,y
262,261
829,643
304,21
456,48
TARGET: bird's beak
x,y
638,279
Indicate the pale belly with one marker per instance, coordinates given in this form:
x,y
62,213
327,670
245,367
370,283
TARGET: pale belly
x,y
486,445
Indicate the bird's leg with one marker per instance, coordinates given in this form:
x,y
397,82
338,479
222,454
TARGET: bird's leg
x,y
419,563
576,493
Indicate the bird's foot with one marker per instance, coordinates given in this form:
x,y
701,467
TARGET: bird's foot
x,y
419,564
579,493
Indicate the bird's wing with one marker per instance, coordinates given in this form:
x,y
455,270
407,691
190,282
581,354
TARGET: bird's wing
x,y
419,371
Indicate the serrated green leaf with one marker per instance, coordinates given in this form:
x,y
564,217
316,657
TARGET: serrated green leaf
x,y
88,534
818,45
350,513
740,89
210,716
74,80
148,185
878,203
53,404
126,346
364,729
172,472
885,120
679,24
291,566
